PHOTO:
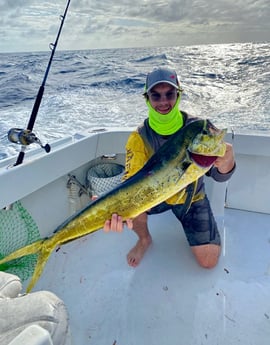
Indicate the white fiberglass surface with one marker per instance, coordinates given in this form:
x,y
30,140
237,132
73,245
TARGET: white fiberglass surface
x,y
168,298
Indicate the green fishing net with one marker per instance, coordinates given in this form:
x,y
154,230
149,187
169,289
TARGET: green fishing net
x,y
17,229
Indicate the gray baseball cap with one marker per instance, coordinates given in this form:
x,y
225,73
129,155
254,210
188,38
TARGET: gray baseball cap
x,y
161,75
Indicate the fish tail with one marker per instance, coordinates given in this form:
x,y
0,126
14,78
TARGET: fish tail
x,y
32,248
43,248
43,257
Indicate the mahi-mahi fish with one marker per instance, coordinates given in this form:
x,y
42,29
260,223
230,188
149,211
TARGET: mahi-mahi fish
x,y
185,157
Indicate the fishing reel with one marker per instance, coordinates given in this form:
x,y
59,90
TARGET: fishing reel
x,y
25,137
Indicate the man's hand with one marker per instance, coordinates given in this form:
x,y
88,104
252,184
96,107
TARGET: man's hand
x,y
226,163
116,224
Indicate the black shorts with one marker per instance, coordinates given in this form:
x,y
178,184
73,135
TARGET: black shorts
x,y
198,222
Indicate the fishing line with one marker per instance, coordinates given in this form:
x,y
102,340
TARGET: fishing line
x,y
26,136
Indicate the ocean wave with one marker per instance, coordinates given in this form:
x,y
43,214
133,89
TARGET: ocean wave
x,y
161,58
228,83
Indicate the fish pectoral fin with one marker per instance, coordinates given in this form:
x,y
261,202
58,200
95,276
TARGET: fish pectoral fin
x,y
180,196
32,248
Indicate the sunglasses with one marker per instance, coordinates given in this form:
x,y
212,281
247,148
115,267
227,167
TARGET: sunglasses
x,y
156,97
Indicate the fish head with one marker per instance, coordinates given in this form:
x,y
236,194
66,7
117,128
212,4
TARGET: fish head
x,y
207,145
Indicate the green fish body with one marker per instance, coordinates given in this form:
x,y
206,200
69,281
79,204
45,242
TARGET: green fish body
x,y
185,157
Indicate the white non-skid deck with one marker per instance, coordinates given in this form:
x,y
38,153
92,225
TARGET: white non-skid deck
x,y
168,298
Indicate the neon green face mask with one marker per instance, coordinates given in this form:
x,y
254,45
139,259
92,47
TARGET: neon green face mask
x,y
165,124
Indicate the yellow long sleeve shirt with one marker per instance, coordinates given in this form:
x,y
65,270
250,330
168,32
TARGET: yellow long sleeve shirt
x,y
137,155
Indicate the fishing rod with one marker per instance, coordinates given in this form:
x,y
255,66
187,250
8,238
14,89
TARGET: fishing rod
x,y
26,136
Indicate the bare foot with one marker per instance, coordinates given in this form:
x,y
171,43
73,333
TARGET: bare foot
x,y
136,254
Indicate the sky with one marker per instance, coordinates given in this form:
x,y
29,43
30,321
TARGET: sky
x,y
31,25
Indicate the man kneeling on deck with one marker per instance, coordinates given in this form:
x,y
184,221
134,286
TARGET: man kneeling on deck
x,y
162,95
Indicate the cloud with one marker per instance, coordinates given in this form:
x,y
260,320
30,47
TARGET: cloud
x,y
31,25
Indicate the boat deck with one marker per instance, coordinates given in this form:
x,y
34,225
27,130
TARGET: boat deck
x,y
168,298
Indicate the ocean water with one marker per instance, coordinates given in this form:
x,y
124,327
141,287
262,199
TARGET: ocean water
x,y
93,89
